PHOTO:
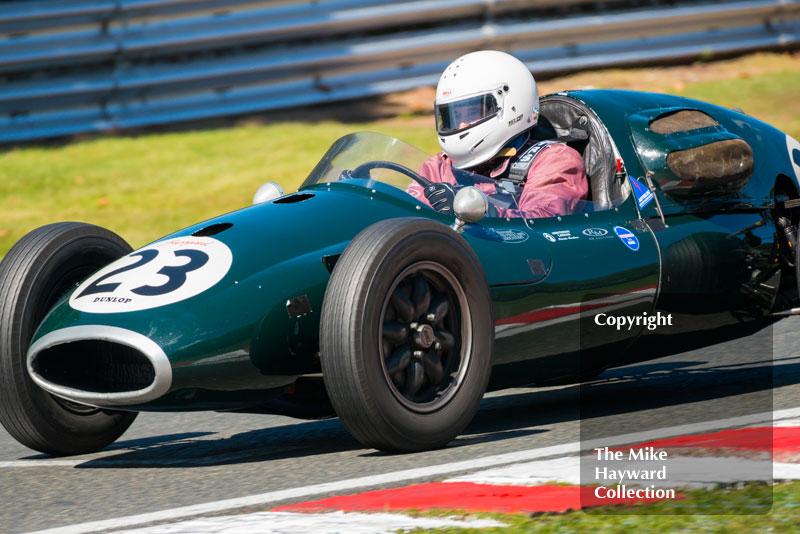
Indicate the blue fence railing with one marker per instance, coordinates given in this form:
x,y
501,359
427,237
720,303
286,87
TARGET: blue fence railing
x,y
92,65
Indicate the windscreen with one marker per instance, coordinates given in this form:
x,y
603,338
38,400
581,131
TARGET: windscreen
x,y
365,158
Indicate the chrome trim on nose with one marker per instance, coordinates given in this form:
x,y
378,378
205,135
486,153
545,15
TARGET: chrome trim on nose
x,y
147,347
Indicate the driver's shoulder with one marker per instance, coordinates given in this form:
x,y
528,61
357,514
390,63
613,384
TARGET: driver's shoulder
x,y
554,147
556,155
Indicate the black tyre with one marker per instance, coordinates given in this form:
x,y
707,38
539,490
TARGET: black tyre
x,y
406,335
36,272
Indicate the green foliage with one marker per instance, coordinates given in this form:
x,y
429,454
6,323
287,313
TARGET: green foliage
x,y
665,517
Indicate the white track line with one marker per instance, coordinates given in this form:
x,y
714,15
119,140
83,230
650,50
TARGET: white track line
x,y
42,463
787,423
422,472
113,460
329,523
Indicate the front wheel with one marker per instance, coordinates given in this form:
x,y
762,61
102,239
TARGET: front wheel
x,y
38,270
406,335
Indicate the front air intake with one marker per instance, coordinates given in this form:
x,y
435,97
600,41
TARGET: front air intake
x,y
291,199
95,366
100,365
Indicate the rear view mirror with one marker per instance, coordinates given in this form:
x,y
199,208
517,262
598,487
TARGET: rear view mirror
x,y
470,205
268,191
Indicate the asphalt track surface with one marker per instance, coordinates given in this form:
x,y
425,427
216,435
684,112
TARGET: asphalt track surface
x,y
166,461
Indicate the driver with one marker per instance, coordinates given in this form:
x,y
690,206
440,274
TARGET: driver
x,y
486,107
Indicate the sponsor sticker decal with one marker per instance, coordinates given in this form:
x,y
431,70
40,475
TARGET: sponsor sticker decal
x,y
559,235
159,274
512,236
564,235
627,237
596,233
643,195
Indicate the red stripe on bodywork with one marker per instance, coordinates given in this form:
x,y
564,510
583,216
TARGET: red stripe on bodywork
x,y
465,496
546,314
560,311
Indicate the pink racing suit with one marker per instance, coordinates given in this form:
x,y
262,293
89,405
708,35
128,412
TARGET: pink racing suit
x,y
555,185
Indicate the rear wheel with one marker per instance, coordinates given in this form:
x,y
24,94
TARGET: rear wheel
x,y
41,268
406,335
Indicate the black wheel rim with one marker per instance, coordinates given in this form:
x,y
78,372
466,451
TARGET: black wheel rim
x,y
425,336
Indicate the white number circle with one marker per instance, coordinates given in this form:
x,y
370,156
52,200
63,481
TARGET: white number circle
x,y
159,274
794,154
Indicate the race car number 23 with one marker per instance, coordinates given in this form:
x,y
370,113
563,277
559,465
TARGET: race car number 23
x,y
162,273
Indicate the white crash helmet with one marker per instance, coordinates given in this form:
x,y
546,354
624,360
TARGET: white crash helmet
x,y
483,100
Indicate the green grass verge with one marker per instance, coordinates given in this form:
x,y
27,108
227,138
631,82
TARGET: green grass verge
x,y
665,517
145,187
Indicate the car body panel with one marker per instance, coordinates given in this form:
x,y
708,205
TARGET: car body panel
x,y
626,114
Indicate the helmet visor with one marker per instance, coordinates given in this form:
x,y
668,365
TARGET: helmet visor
x,y
461,114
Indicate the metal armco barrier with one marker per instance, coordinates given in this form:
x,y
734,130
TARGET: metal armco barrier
x,y
75,66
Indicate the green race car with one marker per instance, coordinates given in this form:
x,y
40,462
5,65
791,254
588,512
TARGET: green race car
x,y
351,297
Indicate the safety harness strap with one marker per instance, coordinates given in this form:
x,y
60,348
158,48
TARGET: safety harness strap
x,y
519,168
